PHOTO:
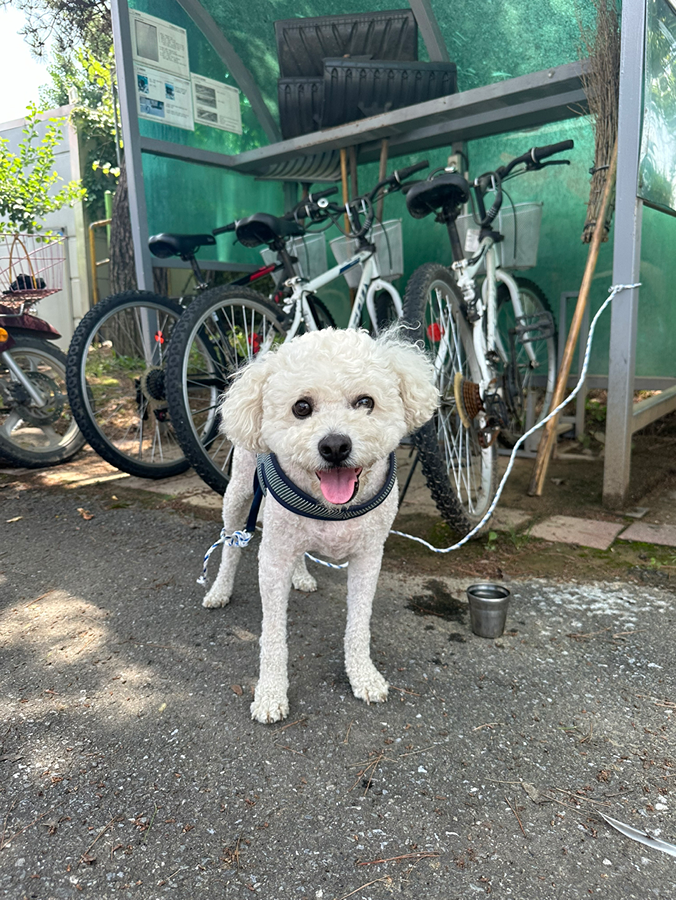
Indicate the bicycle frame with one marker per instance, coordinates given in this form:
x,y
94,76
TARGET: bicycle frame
x,y
487,341
369,284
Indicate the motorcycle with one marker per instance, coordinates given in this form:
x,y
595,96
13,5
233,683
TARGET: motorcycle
x,y
36,425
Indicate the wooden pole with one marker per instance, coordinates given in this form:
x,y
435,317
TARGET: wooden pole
x,y
346,197
354,185
549,436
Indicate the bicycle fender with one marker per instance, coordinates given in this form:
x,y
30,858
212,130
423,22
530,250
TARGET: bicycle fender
x,y
507,279
28,325
379,284
6,340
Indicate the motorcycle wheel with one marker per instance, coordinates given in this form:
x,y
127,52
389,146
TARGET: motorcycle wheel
x,y
34,436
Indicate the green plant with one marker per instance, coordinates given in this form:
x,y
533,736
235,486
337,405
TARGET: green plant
x,y
492,543
520,539
27,178
87,81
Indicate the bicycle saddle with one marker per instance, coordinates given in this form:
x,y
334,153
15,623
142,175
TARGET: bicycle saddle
x,y
446,190
262,228
183,245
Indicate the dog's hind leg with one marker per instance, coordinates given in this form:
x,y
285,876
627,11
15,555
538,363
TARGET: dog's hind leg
x,y
301,579
362,577
236,504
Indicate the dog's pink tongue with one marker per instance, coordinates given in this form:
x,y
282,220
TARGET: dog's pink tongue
x,y
338,484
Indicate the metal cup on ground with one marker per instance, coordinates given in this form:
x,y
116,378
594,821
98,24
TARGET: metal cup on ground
x,y
488,609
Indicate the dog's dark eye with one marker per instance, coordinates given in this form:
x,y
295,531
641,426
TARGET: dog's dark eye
x,y
302,409
364,403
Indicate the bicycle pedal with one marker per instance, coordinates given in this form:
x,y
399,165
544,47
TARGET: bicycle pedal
x,y
535,327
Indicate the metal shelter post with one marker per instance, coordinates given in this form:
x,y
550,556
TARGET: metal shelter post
x,y
132,143
626,259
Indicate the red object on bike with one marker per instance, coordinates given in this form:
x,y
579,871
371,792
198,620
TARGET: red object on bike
x,y
255,343
435,332
159,337
259,273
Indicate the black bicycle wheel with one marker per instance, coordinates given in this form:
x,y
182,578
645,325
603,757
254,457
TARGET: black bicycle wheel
x,y
32,435
116,383
320,312
461,472
528,384
218,333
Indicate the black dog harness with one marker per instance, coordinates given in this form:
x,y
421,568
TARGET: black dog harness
x,y
270,478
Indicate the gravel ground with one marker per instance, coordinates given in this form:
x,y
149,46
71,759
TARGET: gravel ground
x,y
130,767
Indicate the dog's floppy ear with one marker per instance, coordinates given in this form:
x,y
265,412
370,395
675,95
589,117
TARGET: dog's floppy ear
x,y
242,405
416,378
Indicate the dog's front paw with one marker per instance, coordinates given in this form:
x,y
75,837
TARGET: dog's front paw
x,y
303,581
368,684
216,596
269,705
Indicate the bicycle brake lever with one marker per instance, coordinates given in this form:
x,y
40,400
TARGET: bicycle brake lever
x,y
534,167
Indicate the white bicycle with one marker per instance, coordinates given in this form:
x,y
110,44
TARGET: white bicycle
x,y
491,339
224,328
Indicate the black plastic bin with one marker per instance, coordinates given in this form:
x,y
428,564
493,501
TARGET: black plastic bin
x,y
300,105
355,90
303,44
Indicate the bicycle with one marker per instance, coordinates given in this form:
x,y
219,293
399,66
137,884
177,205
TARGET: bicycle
x,y
221,332
116,365
492,342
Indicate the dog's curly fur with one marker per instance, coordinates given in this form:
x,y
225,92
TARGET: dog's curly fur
x,y
330,370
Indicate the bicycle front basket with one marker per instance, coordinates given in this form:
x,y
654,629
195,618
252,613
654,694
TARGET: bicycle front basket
x,y
310,250
519,250
389,249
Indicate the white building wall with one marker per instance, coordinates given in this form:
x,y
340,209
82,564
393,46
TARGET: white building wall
x,y
64,309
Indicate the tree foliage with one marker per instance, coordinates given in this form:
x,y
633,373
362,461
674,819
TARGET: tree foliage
x,y
86,81
27,178
66,23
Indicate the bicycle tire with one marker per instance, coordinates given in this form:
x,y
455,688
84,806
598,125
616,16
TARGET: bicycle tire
x,y
218,333
321,313
460,474
521,390
25,428
122,414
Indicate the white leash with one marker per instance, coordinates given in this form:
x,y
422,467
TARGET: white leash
x,y
241,539
583,374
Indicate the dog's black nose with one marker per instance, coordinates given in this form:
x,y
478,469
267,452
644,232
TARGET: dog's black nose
x,y
335,448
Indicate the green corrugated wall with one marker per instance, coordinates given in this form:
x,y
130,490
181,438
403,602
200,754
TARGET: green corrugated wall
x,y
490,40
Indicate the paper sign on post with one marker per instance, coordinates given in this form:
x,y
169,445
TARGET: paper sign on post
x,y
159,44
163,97
216,104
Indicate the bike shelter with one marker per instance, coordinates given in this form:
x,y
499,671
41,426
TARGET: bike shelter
x,y
201,86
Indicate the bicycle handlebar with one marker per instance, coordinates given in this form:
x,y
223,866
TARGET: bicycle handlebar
x,y
224,228
296,212
394,182
532,160
309,207
533,157
538,153
402,174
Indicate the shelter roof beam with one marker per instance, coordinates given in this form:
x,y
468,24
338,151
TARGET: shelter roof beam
x,y
430,31
233,62
542,97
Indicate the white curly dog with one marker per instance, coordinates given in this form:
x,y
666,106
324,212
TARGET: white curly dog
x,y
332,406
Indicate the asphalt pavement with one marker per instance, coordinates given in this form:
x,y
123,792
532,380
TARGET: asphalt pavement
x,y
130,767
